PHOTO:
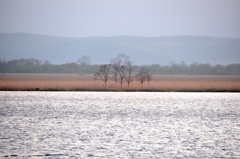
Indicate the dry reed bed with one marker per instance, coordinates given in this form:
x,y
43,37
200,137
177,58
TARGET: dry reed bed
x,y
58,82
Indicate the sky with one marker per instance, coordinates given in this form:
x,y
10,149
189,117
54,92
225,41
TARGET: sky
x,y
147,18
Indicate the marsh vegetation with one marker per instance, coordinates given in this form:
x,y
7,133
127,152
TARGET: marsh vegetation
x,y
74,82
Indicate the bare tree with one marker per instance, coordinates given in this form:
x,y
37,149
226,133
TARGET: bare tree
x,y
143,75
121,75
116,68
149,76
84,60
103,74
129,68
117,63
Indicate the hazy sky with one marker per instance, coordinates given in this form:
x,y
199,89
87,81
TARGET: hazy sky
x,y
151,18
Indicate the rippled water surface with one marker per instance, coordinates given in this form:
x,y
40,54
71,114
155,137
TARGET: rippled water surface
x,y
119,125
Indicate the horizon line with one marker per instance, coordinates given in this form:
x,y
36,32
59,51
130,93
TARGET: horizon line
x,y
98,36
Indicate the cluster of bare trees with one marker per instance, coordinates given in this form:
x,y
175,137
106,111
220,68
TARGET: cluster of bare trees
x,y
121,70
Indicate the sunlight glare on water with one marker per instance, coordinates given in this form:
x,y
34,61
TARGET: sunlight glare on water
x,y
119,125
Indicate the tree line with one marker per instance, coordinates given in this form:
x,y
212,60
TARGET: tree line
x,y
83,66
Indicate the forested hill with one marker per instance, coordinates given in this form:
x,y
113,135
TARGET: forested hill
x,y
142,50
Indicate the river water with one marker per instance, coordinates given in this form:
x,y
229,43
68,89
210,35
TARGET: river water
x,y
119,125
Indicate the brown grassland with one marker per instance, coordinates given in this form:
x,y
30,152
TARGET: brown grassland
x,y
164,83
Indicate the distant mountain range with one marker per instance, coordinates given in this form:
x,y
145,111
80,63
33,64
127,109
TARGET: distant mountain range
x,y
142,50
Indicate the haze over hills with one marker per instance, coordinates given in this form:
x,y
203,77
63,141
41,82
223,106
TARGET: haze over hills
x,y
142,50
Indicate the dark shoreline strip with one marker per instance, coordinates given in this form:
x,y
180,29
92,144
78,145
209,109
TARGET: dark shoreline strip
x,y
190,91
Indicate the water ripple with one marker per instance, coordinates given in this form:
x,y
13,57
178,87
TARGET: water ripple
x,y
119,125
